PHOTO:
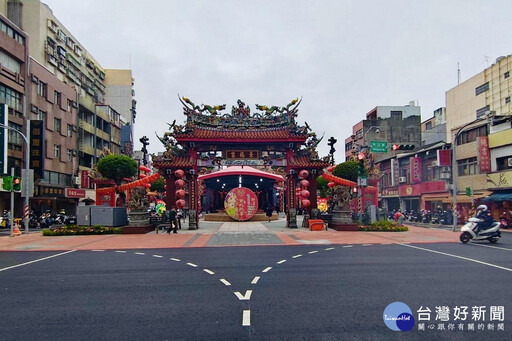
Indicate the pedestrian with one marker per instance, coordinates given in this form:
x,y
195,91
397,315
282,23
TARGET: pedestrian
x,y
172,221
399,217
268,212
179,216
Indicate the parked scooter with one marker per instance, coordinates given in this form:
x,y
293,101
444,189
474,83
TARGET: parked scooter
x,y
492,233
426,217
503,221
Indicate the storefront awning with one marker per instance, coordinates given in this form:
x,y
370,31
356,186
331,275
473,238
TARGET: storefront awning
x,y
498,196
464,199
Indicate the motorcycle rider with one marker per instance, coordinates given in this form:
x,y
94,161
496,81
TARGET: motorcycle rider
x,y
487,220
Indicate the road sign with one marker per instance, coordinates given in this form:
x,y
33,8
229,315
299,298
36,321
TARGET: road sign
x,y
379,146
362,181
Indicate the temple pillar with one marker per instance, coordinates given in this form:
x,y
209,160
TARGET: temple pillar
x,y
170,189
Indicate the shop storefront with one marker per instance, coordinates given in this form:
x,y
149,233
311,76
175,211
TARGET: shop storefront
x,y
390,200
54,198
500,199
410,197
432,195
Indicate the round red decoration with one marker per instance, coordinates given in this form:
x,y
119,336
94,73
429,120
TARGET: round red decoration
x,y
180,194
241,203
304,194
304,183
180,203
179,183
179,173
303,173
306,203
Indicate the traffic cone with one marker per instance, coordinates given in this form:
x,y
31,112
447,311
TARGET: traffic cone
x,y
16,230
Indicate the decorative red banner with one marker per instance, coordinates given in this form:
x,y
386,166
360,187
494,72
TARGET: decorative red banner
x,y
415,170
444,157
241,203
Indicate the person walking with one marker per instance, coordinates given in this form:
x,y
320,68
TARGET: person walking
x,y
268,212
179,216
172,221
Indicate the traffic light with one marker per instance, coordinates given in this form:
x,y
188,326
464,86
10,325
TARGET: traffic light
x,y
332,142
7,183
353,192
16,183
403,147
468,191
361,170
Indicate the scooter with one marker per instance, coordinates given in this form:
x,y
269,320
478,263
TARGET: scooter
x,y
492,233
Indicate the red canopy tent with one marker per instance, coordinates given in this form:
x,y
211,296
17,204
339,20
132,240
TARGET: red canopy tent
x,y
241,170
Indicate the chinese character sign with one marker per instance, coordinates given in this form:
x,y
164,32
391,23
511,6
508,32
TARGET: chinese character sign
x,y
415,169
36,135
241,203
484,154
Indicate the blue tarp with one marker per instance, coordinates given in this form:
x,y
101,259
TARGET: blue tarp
x,y
498,196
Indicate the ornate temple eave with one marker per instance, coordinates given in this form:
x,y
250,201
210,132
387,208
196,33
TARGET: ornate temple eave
x,y
256,135
306,162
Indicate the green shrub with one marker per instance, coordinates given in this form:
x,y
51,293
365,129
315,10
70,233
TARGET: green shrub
x,y
383,226
71,230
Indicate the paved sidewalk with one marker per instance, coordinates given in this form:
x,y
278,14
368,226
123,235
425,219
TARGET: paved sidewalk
x,y
214,234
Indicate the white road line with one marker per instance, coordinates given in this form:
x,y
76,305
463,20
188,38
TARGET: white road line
x,y
492,247
175,259
311,252
348,246
192,265
245,297
225,282
34,261
97,250
121,251
297,256
246,318
209,271
281,261
158,256
267,269
367,244
329,248
140,253
460,257
255,280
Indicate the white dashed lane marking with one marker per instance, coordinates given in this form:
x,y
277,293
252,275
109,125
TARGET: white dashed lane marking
x,y
175,259
348,246
267,269
121,251
224,282
246,318
192,265
209,271
140,253
255,280
158,256
329,248
311,252
281,261
245,297
297,256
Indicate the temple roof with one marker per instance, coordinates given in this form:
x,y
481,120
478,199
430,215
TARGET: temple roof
x,y
174,162
306,162
267,134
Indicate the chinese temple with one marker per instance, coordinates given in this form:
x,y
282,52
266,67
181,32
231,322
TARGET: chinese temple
x,y
267,153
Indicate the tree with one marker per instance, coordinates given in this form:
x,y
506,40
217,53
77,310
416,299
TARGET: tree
x,y
158,185
117,167
346,170
322,186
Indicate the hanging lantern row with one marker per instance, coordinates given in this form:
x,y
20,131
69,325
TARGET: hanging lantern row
x,y
179,173
144,182
180,183
303,173
304,193
338,181
144,169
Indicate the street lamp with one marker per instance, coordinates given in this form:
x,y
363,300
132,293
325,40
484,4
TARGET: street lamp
x,y
455,170
27,170
377,130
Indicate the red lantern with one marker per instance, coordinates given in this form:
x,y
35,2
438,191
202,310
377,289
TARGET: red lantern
x,y
180,194
141,176
180,203
303,173
330,169
331,184
179,173
142,168
148,186
305,203
304,194
304,183
179,183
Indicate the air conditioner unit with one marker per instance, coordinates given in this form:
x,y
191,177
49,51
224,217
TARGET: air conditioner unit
x,y
402,179
445,175
509,161
77,180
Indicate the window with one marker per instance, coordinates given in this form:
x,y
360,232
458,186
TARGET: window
x,y
507,99
467,166
11,33
70,105
481,89
56,124
57,97
42,116
396,114
9,62
10,97
70,130
56,151
42,89
503,163
14,137
69,155
507,74
471,135
481,112
428,126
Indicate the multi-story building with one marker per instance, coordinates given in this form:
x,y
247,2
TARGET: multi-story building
x,y
478,112
394,124
434,129
14,79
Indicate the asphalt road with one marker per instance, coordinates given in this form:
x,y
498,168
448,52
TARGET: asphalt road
x,y
263,293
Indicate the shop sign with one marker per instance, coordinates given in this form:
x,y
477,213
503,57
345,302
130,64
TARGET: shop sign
x,y
499,180
3,138
395,172
241,162
410,190
484,155
85,181
241,203
50,191
75,193
415,169
37,138
433,186
390,192
444,157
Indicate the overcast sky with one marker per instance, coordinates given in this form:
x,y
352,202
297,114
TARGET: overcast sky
x,y
342,57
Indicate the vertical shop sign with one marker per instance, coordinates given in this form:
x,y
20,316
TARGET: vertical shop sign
x,y
36,129
415,169
3,138
484,156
